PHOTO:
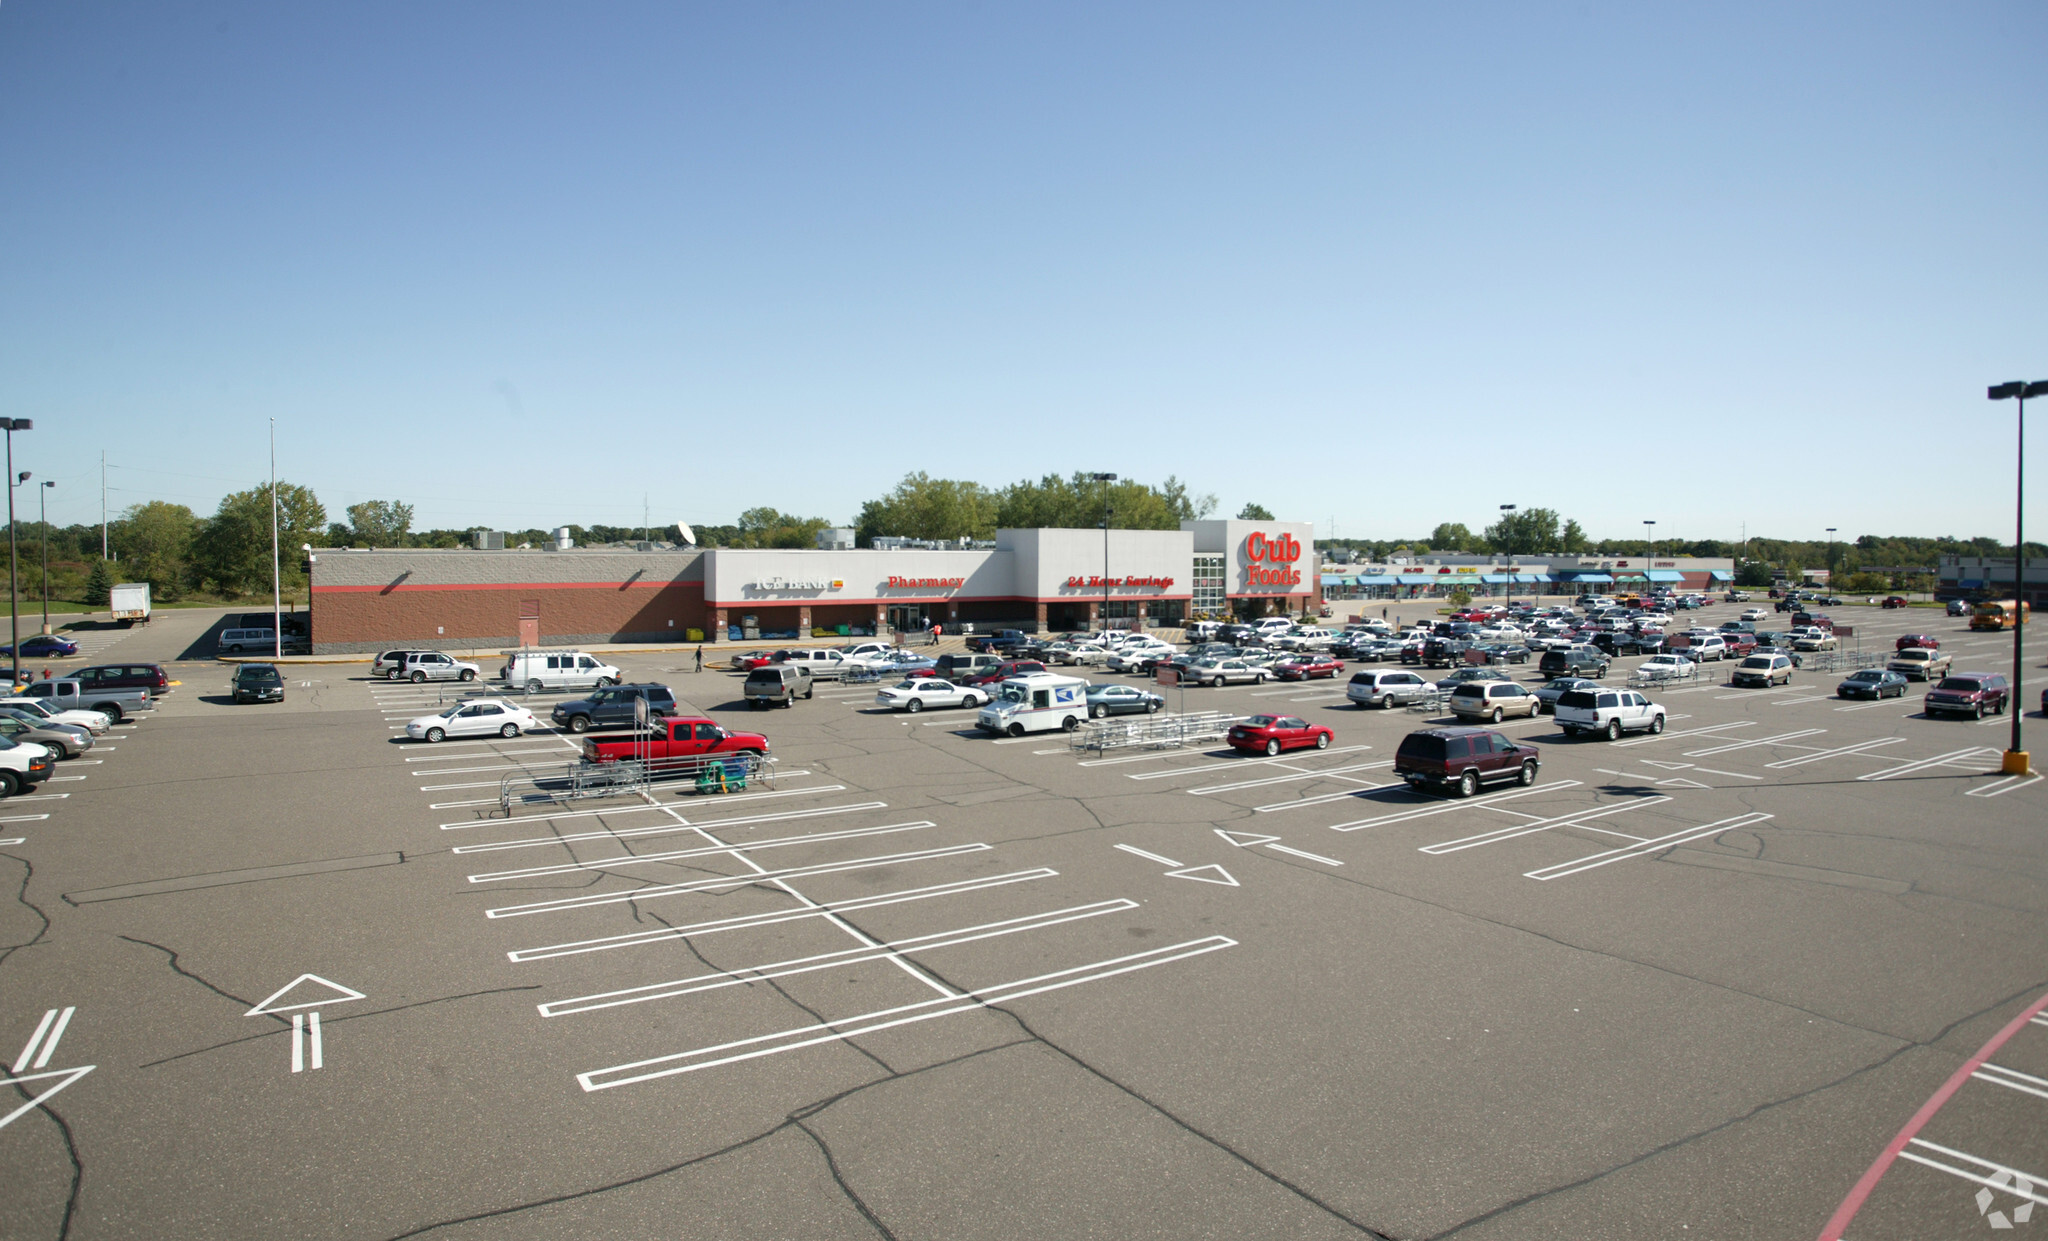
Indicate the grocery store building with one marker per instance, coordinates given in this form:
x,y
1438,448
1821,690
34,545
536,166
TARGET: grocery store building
x,y
1045,579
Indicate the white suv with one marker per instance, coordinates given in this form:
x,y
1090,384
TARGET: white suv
x,y
1611,712
433,666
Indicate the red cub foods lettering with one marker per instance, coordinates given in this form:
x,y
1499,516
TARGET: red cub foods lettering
x,y
1277,551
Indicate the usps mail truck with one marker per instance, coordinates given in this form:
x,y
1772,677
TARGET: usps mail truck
x,y
1034,703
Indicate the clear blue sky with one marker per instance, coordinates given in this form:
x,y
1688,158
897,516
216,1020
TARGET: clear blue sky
x,y
1387,264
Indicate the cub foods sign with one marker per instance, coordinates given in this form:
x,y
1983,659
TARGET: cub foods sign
x,y
1270,560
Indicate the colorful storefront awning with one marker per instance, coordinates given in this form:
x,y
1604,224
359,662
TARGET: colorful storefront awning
x,y
1665,575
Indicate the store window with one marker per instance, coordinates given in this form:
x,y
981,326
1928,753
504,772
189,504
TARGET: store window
x,y
1208,601
1168,613
1125,609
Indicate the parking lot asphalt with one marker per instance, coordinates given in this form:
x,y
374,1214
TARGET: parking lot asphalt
x,y
274,970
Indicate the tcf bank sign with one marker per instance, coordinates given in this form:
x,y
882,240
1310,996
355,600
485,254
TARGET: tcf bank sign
x,y
1269,563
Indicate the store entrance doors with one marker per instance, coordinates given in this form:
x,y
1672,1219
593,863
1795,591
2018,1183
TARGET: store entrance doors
x,y
908,617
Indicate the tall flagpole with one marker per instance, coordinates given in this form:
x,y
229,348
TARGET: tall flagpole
x,y
276,595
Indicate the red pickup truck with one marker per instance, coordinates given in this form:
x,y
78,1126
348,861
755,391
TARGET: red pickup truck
x,y
674,737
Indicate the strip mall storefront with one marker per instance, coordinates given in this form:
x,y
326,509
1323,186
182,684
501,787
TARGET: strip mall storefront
x,y
1048,579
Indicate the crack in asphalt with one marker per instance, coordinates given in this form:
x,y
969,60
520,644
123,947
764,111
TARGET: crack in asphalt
x,y
178,968
71,1153
332,1021
1767,1105
792,1120
28,871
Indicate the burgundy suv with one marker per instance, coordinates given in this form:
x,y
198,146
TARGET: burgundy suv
x,y
1463,759
1968,693
123,676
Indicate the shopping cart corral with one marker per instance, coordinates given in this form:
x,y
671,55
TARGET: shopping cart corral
x,y
579,780
1152,732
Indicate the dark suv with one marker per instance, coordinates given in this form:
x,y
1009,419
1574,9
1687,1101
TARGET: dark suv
x,y
123,676
1463,759
1580,661
611,706
1968,693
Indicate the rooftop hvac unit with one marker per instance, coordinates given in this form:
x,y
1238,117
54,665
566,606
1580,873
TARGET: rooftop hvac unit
x,y
489,540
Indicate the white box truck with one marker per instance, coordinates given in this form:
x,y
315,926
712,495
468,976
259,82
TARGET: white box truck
x,y
1036,702
130,603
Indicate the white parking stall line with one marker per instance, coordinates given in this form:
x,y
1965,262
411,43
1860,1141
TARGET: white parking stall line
x,y
748,921
1232,764
1952,758
1856,748
1786,702
1147,757
889,1018
1574,819
1423,812
1704,831
2012,1079
1862,706
62,779
1998,788
732,881
463,771
636,859
1778,739
675,824
84,762
1293,775
22,797
1325,798
831,960
24,818
443,758
1996,1175
1150,857
1712,730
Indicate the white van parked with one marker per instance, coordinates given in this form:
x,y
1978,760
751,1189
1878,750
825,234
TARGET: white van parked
x,y
1036,702
535,670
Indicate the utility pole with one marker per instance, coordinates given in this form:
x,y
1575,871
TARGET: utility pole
x,y
103,504
276,594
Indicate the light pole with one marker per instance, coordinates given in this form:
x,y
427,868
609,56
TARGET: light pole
x,y
1507,511
43,495
2015,761
10,426
276,595
1650,557
1106,511
1831,557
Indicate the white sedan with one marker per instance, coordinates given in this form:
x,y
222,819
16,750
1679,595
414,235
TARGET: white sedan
x,y
473,717
1666,668
920,692
1756,614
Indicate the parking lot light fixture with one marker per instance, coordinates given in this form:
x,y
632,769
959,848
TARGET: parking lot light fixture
x,y
10,426
1506,511
1107,510
2015,762
43,495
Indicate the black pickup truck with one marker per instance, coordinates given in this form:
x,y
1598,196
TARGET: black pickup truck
x,y
1001,642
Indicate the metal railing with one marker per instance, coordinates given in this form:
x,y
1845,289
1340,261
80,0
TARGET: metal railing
x,y
580,780
1435,702
1152,732
1650,678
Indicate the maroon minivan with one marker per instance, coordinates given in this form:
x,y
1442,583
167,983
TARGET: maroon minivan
x,y
123,676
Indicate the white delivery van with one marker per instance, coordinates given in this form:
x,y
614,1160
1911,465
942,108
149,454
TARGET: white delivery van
x,y
536,670
1035,703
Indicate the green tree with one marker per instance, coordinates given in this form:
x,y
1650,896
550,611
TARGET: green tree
x,y
1572,540
1752,573
1524,533
1459,597
379,523
99,585
1255,512
1079,501
1450,536
923,507
154,544
765,527
231,554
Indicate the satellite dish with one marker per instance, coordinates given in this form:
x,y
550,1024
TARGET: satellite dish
x,y
689,535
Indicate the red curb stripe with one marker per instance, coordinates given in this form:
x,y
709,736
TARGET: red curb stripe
x,y
1868,1181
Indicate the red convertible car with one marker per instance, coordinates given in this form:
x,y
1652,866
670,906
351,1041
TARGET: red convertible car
x,y
1270,734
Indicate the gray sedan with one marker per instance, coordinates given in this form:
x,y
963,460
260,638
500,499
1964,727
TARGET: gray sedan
x,y
1549,692
1121,700
1872,683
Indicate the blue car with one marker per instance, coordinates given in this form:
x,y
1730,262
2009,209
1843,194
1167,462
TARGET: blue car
x,y
43,646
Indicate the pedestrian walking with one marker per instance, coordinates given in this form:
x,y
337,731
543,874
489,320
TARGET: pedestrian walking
x,y
935,633
700,659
